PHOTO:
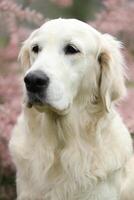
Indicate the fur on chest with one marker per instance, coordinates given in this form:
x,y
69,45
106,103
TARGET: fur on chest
x,y
64,157
78,161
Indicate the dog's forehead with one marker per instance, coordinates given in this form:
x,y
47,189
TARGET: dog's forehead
x,y
65,23
66,29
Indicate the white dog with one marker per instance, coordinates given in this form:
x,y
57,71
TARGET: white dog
x,y
69,142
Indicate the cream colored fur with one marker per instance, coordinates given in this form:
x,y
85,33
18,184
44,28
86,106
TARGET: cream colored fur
x,y
78,152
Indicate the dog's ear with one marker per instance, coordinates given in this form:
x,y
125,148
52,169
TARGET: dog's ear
x,y
24,56
112,74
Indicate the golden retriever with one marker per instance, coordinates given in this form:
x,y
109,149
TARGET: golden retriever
x,y
70,142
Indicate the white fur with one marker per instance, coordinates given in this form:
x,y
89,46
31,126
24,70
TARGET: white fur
x,y
76,147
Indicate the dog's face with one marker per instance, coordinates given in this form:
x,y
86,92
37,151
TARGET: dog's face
x,y
64,59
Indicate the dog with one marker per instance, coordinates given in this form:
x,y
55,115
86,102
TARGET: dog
x,y
69,142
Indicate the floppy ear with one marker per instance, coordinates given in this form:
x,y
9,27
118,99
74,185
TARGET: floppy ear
x,y
112,75
24,56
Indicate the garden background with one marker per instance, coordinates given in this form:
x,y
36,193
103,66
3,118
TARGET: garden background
x,y
17,20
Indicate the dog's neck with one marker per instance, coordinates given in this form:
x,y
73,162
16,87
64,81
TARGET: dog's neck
x,y
78,123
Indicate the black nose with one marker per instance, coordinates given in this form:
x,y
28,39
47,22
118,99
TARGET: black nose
x,y
36,81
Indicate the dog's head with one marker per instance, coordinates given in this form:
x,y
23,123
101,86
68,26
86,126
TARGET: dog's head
x,y
66,59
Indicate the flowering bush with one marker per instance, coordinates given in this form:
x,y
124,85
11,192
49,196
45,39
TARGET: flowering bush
x,y
116,17
12,15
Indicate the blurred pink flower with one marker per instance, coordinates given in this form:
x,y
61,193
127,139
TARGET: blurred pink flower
x,y
11,8
10,102
11,14
126,109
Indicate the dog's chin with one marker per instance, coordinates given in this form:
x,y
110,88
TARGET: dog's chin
x,y
46,107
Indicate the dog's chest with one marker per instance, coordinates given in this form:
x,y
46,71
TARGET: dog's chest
x,y
67,172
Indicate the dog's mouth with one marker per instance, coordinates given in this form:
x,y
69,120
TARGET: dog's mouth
x,y
34,99
41,104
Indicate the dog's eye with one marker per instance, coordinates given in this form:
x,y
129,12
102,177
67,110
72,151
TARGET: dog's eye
x,y
36,48
70,49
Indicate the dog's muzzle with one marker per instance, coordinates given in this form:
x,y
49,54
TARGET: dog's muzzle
x,y
36,83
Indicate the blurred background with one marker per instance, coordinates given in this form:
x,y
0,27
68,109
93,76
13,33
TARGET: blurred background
x,y
17,19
